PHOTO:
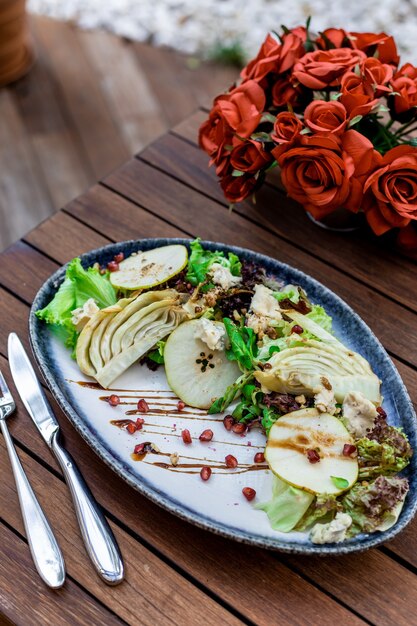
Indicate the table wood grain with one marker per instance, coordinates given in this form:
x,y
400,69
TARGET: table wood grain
x,y
177,573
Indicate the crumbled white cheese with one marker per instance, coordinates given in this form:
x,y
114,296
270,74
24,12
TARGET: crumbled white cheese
x,y
212,334
359,413
264,310
80,316
333,532
264,303
325,401
223,276
258,323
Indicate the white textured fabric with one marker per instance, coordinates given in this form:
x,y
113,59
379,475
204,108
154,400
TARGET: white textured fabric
x,y
196,26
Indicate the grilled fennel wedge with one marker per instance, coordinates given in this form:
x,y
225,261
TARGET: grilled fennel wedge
x,y
116,337
300,370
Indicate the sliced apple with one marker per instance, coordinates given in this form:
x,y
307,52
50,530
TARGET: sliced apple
x,y
195,373
294,434
150,268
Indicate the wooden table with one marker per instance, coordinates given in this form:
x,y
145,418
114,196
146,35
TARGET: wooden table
x,y
176,573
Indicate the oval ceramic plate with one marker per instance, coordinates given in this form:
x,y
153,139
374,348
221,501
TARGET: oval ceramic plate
x,y
216,505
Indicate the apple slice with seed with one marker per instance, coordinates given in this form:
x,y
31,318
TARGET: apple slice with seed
x,y
197,374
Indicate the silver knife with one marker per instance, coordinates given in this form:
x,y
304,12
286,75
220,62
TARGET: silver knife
x,y
98,538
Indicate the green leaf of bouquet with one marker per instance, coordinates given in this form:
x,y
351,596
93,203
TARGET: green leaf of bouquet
x,y
355,120
237,173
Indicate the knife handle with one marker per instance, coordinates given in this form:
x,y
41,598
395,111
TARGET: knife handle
x,y
44,548
98,537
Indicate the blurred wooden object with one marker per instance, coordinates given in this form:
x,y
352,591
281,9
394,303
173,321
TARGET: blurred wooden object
x,y
90,101
16,50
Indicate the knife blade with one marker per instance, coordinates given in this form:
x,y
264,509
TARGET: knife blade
x,y
98,537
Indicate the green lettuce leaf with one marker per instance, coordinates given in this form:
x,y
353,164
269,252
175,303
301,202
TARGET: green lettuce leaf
x,y
90,283
389,455
291,292
230,394
323,509
201,260
319,315
287,505
157,355
269,417
373,505
243,348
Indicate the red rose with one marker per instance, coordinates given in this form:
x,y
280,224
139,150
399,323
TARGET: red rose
x,y
237,188
338,37
377,75
405,84
373,44
326,118
325,68
249,157
357,97
234,113
391,190
287,127
283,93
274,57
325,173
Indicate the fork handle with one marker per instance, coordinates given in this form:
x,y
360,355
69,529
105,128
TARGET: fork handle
x,y
98,538
44,548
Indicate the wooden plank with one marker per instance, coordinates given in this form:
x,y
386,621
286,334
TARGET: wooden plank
x,y
24,199
54,138
167,198
356,579
358,254
204,556
134,106
84,101
62,237
24,270
152,589
25,599
118,218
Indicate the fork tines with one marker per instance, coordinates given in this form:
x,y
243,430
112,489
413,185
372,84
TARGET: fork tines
x,y
5,395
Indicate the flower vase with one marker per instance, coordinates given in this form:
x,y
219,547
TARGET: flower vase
x,y
341,220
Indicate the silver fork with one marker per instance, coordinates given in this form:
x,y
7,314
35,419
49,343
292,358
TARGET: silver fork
x,y
44,548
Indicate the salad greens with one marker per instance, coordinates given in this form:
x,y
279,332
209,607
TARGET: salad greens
x,y
201,260
287,505
79,286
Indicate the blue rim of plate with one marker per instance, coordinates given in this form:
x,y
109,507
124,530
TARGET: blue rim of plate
x,y
318,293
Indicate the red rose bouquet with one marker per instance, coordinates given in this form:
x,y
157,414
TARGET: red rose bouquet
x,y
335,113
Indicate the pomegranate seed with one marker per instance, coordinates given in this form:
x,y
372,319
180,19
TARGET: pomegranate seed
x,y
381,411
249,493
139,423
239,428
205,473
118,258
228,422
139,449
186,437
143,406
267,366
180,405
112,266
259,457
297,329
146,446
206,435
131,428
349,450
313,456
231,461
114,400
